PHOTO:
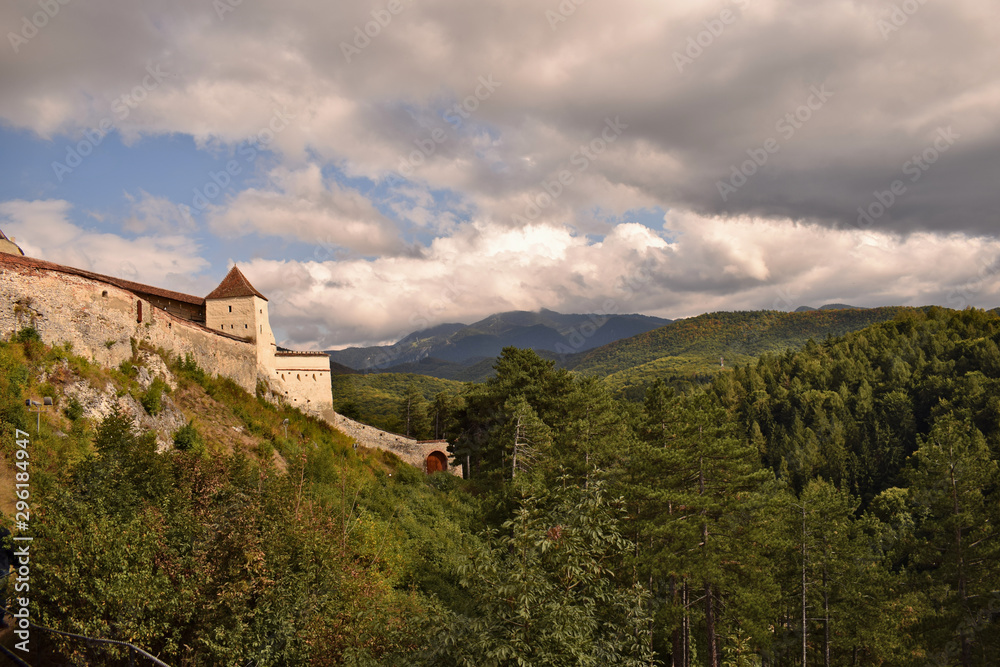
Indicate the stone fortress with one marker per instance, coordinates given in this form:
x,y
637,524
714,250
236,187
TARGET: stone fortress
x,y
227,333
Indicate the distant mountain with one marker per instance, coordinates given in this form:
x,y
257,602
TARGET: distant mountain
x,y
829,306
449,348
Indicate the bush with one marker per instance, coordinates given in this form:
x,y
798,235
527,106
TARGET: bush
x,y
27,335
186,366
34,348
152,398
74,410
187,437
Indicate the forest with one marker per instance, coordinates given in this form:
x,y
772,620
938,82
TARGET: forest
x,y
835,504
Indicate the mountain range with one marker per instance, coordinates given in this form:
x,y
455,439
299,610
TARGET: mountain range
x,y
457,347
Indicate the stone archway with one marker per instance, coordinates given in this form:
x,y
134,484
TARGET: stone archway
x,y
436,462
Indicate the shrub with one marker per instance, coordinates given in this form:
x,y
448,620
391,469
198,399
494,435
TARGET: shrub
x,y
187,437
152,398
74,410
27,335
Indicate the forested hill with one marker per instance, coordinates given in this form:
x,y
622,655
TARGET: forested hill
x,y
691,348
851,410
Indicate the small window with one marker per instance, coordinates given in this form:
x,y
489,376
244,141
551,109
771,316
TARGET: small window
x,y
246,326
298,376
230,309
222,326
104,294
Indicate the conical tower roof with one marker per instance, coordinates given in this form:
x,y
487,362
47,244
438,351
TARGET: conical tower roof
x,y
235,284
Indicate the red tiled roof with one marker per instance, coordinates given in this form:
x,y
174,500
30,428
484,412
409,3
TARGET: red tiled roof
x,y
128,285
235,284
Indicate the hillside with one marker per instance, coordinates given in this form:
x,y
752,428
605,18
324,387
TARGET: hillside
x,y
691,348
209,531
454,346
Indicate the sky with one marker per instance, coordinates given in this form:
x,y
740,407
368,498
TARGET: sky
x,y
380,167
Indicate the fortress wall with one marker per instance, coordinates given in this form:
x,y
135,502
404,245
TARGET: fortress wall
x,y
99,319
409,450
304,380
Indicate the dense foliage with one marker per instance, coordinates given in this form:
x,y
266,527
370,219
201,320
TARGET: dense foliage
x,y
836,504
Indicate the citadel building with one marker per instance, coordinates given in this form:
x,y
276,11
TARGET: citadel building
x,y
227,333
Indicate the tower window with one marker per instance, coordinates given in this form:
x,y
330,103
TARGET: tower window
x,y
104,293
246,326
230,309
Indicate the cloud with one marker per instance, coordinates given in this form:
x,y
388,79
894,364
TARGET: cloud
x,y
303,205
796,148
712,264
558,81
156,214
43,230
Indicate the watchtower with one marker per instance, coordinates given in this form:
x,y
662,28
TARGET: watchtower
x,y
236,308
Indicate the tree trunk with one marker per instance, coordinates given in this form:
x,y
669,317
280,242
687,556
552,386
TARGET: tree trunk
x,y
826,620
963,595
713,656
805,629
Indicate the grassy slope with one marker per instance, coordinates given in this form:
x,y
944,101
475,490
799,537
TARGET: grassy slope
x,y
690,348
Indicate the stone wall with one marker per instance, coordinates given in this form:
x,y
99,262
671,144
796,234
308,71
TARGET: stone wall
x,y
409,450
304,378
100,319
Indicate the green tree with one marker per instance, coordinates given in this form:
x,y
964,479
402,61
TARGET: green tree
x,y
704,514
547,589
953,483
413,414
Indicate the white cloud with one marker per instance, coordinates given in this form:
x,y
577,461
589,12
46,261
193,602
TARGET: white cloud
x,y
303,205
43,230
713,264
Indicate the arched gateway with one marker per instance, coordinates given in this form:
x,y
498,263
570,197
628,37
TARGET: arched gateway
x,y
436,462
